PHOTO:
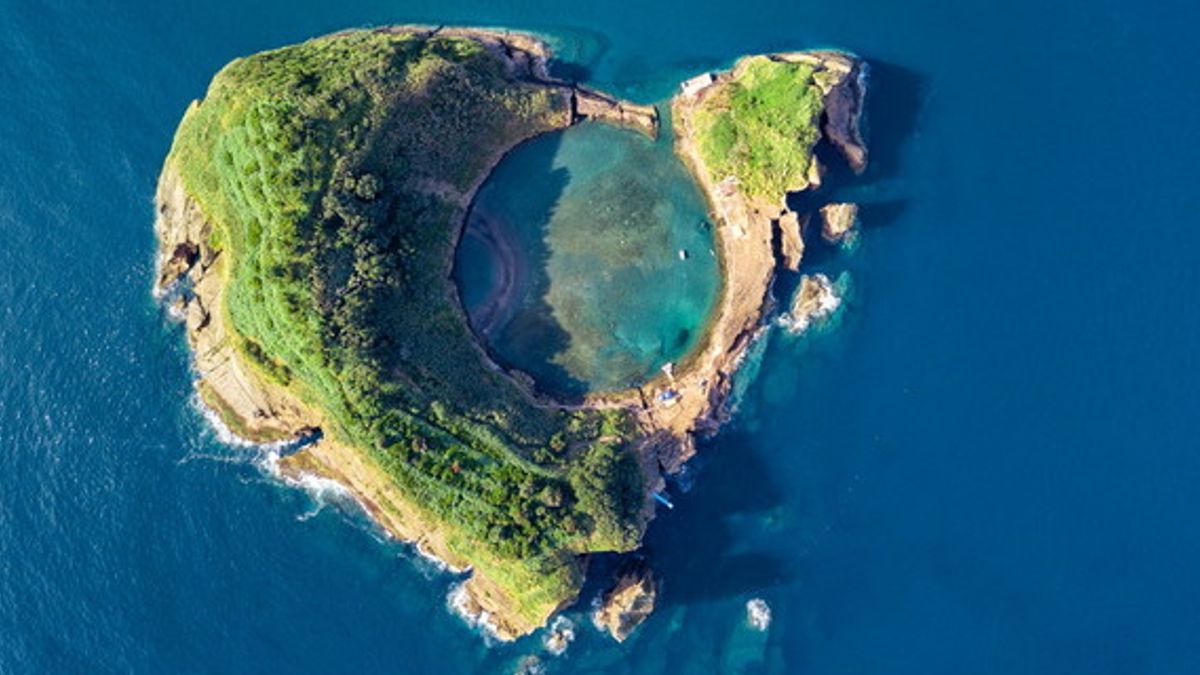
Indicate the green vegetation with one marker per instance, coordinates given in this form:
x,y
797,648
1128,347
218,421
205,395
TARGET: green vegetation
x,y
333,173
761,127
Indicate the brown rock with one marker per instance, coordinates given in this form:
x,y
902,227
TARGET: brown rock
x,y
815,299
588,104
837,220
180,261
627,604
197,316
843,109
791,238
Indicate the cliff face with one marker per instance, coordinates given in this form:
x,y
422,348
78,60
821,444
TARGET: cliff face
x,y
190,268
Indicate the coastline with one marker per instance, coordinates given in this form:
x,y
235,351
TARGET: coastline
x,y
746,235
192,273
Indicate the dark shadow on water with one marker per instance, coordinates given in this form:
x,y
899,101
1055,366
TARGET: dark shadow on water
x,y
575,50
690,547
531,340
876,215
820,254
895,97
570,72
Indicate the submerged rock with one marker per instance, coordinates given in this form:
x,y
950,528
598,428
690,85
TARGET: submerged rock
x,y
177,308
814,300
837,220
627,604
529,665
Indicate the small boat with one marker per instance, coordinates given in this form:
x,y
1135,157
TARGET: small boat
x,y
663,500
668,398
683,255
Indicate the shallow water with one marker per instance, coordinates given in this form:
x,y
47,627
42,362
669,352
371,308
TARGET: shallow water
x,y
990,467
607,270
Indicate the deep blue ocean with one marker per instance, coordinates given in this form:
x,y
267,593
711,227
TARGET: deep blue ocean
x,y
990,466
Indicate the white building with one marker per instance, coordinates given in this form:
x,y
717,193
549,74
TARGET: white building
x,y
693,86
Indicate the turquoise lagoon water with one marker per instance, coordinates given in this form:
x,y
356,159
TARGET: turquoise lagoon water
x,y
608,271
989,467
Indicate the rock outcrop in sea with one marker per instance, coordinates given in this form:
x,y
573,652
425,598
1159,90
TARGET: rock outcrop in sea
x,y
627,604
815,300
559,635
838,221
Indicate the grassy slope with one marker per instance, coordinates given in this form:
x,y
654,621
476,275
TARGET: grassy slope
x,y
323,168
761,127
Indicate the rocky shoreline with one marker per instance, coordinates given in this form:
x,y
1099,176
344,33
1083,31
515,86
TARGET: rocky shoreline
x,y
671,409
754,239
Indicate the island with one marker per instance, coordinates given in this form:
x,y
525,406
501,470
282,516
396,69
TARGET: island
x,y
307,216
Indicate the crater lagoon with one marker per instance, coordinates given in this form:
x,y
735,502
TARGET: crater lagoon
x,y
587,259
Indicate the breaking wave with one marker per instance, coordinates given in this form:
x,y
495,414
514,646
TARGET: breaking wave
x,y
758,614
460,603
559,635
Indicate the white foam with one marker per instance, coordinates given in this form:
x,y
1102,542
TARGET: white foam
x,y
321,490
222,430
828,303
209,457
439,564
459,602
758,614
597,602
559,635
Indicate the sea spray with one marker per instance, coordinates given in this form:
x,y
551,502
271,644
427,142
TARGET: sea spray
x,y
228,436
436,562
816,304
460,603
758,614
322,491
559,635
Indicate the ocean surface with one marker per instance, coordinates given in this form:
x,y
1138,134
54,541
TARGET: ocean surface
x,y
989,464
